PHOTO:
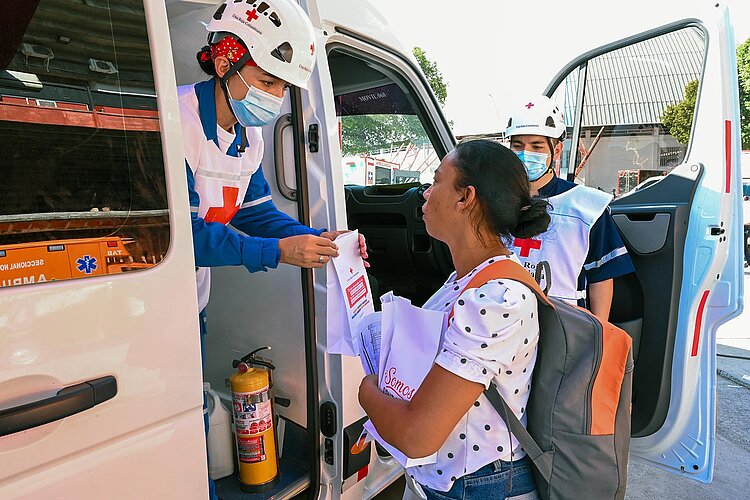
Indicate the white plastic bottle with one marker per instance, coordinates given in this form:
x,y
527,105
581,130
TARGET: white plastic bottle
x,y
220,446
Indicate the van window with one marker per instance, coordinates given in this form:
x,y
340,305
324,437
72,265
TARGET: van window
x,y
84,190
383,140
565,97
637,111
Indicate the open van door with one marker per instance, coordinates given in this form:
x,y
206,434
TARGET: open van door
x,y
99,350
682,229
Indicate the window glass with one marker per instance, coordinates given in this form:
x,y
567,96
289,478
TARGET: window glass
x,y
83,174
383,140
565,98
637,111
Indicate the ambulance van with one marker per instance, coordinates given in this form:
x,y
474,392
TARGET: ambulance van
x,y
100,374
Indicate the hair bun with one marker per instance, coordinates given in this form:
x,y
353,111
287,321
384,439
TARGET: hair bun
x,y
533,219
205,61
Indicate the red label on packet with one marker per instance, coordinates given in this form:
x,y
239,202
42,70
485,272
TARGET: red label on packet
x,y
356,291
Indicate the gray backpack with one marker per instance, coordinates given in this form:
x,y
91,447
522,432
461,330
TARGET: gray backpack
x,y
578,414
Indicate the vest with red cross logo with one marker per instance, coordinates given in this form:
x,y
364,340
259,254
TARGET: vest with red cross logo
x,y
221,180
565,245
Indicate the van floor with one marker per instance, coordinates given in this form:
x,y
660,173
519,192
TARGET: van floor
x,y
294,470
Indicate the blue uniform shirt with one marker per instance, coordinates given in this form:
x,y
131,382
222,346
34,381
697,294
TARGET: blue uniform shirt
x,y
216,244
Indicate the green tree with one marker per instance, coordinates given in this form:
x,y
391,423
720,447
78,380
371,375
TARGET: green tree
x,y
433,75
369,133
743,70
363,134
678,118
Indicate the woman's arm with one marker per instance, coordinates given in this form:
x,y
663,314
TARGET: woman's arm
x,y
418,428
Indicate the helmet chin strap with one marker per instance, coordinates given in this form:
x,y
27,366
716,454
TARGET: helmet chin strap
x,y
224,82
551,168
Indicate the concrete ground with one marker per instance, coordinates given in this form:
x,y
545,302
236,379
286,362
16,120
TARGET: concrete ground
x,y
731,477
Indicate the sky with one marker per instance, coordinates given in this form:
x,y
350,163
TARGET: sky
x,y
495,53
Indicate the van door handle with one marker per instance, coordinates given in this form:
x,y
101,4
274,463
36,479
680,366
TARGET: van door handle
x,y
68,401
282,123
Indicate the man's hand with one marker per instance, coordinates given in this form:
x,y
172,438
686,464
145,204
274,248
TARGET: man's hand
x,y
332,235
307,250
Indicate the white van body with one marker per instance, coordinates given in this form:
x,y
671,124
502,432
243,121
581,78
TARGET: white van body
x,y
141,435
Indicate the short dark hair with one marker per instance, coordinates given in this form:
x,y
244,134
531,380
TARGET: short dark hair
x,y
503,191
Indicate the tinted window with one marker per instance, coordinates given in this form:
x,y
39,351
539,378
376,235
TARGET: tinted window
x,y
84,181
383,140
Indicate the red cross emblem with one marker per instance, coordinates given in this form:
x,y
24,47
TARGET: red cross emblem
x,y
312,49
224,213
530,105
526,245
252,15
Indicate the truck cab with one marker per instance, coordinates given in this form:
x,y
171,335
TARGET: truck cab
x,y
100,372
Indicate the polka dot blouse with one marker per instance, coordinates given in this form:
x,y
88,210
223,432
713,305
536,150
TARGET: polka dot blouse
x,y
492,337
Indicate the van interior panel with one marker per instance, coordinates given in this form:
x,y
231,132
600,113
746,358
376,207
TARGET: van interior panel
x,y
661,212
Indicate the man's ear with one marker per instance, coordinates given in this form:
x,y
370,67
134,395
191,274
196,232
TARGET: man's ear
x,y
221,65
558,150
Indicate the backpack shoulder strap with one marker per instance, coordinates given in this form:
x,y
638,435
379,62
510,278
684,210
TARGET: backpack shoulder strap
x,y
541,459
509,270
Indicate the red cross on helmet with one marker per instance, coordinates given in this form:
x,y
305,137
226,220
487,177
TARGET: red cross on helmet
x,y
537,116
278,34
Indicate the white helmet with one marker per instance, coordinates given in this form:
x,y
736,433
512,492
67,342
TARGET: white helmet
x,y
537,116
278,34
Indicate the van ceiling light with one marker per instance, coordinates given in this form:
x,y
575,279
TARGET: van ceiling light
x,y
37,51
101,66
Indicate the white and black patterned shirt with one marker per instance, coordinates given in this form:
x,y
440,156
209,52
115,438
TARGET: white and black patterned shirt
x,y
492,337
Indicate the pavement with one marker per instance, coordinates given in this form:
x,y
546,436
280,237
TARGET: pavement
x,y
731,477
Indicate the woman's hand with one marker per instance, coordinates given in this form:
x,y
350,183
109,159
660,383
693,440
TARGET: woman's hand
x,y
368,383
332,235
418,428
307,250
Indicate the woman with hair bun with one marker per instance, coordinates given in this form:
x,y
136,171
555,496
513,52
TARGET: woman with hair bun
x,y
478,202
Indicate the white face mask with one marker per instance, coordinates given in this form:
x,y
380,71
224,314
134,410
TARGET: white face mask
x,y
535,163
258,108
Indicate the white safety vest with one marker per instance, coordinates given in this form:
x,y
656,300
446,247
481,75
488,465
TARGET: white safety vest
x,y
565,245
221,180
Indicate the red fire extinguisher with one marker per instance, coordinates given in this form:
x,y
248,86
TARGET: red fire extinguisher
x,y
254,419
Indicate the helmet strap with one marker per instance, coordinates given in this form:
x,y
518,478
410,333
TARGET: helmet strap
x,y
551,167
233,69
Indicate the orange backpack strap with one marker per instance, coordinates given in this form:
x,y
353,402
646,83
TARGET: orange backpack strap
x,y
506,269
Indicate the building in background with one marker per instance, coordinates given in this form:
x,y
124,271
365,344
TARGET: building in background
x,y
622,135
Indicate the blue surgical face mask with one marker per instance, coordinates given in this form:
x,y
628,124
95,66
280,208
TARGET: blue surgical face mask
x,y
258,108
535,163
